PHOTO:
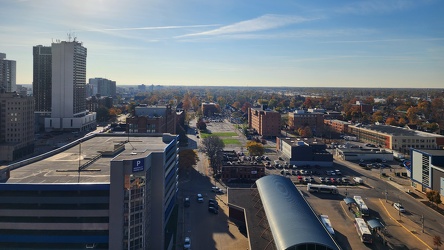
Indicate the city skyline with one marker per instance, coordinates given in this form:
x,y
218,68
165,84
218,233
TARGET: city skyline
x,y
393,44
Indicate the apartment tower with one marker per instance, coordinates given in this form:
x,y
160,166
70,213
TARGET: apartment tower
x,y
68,77
7,74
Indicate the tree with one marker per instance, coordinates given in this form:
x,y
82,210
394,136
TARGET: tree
x,y
212,146
255,148
434,197
305,131
187,158
437,241
391,121
102,114
201,125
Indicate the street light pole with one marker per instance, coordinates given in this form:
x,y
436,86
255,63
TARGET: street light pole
x,y
386,196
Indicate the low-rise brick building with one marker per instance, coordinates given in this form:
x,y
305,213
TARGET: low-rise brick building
x,y
237,169
266,122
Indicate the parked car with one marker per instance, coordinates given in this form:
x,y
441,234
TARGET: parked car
x,y
345,181
187,243
213,210
322,179
211,202
399,207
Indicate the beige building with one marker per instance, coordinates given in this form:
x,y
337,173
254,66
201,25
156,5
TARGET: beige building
x,y
397,138
266,123
16,126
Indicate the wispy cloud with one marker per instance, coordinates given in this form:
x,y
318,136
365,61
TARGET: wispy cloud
x,y
378,6
265,22
156,27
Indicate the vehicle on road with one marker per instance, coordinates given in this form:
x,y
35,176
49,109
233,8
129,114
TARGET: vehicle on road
x,y
199,198
361,205
322,188
326,221
399,207
187,243
186,202
363,231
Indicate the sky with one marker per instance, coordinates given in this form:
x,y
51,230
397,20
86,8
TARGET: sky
x,y
306,43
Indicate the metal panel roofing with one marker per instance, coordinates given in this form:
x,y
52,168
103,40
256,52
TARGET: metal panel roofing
x,y
349,200
374,224
291,219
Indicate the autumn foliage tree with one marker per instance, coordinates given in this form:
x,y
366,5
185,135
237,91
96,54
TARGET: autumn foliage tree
x,y
305,131
255,148
434,197
212,146
187,158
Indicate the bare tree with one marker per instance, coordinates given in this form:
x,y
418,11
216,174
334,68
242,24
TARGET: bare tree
x,y
212,146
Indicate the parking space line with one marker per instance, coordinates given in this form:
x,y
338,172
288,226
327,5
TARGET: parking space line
x,y
403,225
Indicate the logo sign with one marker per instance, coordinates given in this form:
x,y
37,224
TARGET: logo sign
x,y
138,165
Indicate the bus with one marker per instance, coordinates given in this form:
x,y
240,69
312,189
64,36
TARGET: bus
x,y
363,231
322,188
361,206
326,221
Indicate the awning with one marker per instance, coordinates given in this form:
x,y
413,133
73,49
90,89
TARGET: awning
x,y
374,224
349,200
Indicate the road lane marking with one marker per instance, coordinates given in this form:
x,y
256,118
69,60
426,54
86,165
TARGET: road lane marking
x,y
403,225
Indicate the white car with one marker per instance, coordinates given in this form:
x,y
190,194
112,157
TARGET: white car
x,y
187,243
399,207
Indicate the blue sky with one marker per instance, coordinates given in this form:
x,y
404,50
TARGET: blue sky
x,y
380,43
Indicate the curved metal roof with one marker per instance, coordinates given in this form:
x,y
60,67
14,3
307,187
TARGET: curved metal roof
x,y
292,221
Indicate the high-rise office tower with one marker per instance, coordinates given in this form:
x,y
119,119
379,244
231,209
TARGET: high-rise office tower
x,y
41,82
7,74
68,103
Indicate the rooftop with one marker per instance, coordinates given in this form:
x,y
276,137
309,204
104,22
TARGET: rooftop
x,y
397,131
293,141
95,153
436,152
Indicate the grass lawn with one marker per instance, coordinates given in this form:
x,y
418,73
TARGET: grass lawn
x,y
231,141
220,134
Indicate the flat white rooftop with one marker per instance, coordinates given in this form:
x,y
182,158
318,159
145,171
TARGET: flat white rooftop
x,y
63,167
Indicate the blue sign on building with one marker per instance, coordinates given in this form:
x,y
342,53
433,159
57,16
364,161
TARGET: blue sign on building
x,y
138,165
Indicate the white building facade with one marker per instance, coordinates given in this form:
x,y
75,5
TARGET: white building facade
x,y
68,106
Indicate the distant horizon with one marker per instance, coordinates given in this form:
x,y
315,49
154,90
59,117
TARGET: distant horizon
x,y
278,87
349,44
